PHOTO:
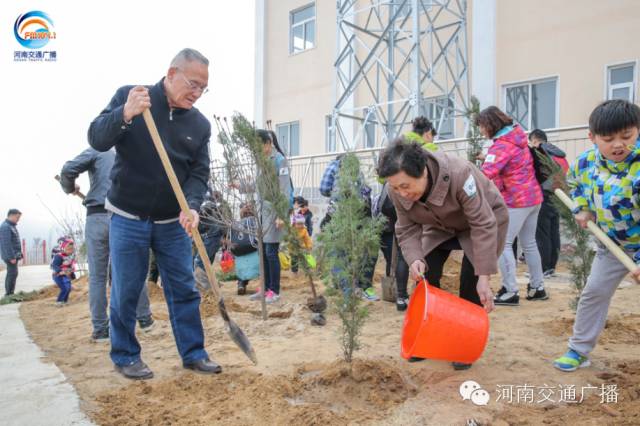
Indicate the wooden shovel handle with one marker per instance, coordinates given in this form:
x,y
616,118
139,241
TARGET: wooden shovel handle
x,y
600,235
182,201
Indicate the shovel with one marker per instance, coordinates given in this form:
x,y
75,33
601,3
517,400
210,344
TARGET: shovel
x,y
237,335
389,283
600,235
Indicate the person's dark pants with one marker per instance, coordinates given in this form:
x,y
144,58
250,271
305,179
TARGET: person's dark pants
x,y
153,268
368,265
548,234
468,279
64,283
271,267
212,243
402,269
129,242
10,278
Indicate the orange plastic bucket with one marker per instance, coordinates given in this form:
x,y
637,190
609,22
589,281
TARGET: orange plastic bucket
x,y
439,325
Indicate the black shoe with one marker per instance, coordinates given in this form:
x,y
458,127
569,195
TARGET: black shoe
x,y
415,359
242,288
205,366
135,371
507,299
536,293
502,291
402,303
459,366
146,324
100,336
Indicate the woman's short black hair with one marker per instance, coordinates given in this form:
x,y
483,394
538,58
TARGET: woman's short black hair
x,y
402,156
493,119
422,125
614,116
538,134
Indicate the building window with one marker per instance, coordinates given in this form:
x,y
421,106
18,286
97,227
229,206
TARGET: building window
x,y
330,144
302,32
440,111
621,82
533,105
289,138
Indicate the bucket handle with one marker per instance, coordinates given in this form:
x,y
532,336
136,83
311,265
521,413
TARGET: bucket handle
x,y
423,281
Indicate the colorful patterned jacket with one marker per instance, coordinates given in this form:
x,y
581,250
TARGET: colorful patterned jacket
x,y
510,166
611,191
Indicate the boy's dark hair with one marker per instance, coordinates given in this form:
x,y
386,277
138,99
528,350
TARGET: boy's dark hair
x,y
614,116
13,211
410,158
422,125
538,134
493,119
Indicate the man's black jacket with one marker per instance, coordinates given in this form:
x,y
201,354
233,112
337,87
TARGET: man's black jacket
x,y
139,183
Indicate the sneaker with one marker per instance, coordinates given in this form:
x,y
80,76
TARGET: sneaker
x,y
536,293
256,296
146,324
502,291
507,299
370,294
242,288
271,296
59,304
571,361
459,366
550,273
402,303
100,336
522,259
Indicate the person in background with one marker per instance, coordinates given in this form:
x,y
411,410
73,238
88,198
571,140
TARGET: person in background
x,y
63,266
98,165
423,133
548,228
10,249
509,164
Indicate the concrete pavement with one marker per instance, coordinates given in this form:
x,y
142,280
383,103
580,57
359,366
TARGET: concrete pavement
x,y
32,392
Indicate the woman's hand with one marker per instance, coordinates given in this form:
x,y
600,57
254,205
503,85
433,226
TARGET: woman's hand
x,y
481,156
279,223
417,270
485,293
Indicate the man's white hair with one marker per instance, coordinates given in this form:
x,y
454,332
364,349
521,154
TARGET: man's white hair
x,y
188,55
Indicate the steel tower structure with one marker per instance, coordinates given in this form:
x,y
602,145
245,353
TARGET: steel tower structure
x,y
398,59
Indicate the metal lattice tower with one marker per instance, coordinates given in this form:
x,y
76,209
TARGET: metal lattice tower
x,y
396,60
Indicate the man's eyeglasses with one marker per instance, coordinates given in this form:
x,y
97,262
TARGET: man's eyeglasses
x,y
194,86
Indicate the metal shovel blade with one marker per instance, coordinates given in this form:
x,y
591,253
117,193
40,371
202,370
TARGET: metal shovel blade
x,y
202,281
237,335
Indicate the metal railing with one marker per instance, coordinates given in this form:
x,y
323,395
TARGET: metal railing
x,y
307,170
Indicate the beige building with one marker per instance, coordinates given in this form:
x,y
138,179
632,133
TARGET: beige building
x,y
547,63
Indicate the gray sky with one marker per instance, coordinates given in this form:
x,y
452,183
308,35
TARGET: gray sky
x,y
47,107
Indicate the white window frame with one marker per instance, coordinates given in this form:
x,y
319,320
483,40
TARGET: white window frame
x,y
425,109
608,89
292,51
529,83
287,148
327,135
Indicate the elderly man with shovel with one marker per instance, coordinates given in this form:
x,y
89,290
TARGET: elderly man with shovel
x,y
145,212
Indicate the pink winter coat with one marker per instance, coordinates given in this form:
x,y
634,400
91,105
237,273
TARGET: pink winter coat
x,y
509,165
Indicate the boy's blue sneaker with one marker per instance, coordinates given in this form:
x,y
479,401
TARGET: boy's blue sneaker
x,y
571,361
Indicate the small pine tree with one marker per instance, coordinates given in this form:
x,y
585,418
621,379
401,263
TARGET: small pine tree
x,y
474,137
582,258
347,241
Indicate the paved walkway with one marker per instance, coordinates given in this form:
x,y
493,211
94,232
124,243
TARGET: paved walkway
x,y
30,278
32,392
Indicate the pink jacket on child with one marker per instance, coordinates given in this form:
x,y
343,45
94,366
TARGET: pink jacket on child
x,y
509,165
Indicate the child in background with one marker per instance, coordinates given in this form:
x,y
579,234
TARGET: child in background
x,y
63,265
605,186
308,216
